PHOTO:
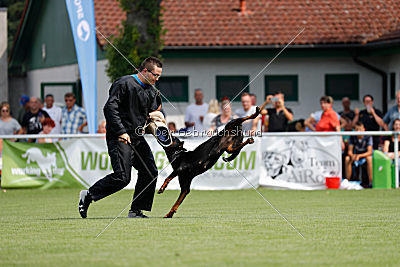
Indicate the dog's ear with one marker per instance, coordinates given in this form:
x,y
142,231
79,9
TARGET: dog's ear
x,y
258,110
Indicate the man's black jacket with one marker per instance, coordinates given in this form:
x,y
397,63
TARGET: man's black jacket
x,y
128,106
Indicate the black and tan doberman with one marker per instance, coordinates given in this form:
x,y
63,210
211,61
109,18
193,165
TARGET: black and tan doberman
x,y
188,164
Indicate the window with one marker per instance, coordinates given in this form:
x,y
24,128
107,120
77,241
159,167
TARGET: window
x,y
232,87
392,85
59,89
287,84
174,88
341,85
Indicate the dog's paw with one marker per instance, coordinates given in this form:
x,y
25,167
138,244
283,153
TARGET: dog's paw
x,y
251,140
169,215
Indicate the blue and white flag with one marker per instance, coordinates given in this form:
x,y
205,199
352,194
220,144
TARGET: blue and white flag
x,y
81,16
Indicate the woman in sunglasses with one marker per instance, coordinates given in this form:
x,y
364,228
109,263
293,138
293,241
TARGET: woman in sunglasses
x,y
8,125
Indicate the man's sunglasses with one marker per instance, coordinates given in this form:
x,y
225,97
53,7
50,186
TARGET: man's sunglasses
x,y
155,75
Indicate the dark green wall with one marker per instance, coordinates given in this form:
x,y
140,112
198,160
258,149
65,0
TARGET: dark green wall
x,y
48,24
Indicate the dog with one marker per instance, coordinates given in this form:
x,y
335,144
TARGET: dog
x,y
188,164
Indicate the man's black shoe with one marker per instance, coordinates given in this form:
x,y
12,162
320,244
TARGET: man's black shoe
x,y
136,214
84,201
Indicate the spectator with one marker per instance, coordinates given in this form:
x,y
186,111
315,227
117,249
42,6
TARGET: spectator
x,y
24,101
371,118
48,125
279,116
314,118
8,125
54,113
388,145
329,121
246,110
33,119
195,113
213,111
101,128
359,153
393,113
73,118
222,119
347,114
172,127
253,99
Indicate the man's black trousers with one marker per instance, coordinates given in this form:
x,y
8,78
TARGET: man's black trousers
x,y
123,158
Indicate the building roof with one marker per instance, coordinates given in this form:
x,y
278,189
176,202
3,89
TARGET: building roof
x,y
213,23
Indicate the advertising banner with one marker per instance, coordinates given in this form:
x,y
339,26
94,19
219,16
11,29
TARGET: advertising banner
x,y
82,162
277,162
299,162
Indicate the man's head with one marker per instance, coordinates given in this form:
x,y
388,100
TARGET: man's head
x,y
246,101
24,101
398,98
70,100
326,102
198,96
281,99
172,126
34,104
253,99
368,101
359,126
346,103
151,69
49,100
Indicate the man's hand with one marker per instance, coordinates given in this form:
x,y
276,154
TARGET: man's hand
x,y
356,111
125,138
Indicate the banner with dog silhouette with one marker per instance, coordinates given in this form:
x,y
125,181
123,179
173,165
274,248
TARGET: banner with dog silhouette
x,y
81,162
299,162
289,162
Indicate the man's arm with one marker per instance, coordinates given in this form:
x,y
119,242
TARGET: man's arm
x,y
379,120
356,117
366,154
111,110
288,114
309,122
187,118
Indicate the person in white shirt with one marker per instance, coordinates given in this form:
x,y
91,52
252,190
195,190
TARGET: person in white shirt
x,y
246,110
195,113
54,113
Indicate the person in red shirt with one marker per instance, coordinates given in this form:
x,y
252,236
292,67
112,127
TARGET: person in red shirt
x,y
329,121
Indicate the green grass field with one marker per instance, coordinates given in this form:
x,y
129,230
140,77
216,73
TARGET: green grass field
x,y
213,228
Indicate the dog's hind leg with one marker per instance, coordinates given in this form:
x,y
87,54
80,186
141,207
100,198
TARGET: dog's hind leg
x,y
166,182
181,197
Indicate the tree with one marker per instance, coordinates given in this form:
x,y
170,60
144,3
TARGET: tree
x,y
139,37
